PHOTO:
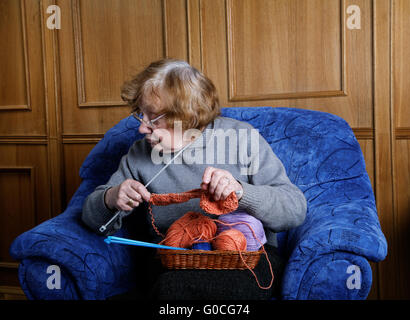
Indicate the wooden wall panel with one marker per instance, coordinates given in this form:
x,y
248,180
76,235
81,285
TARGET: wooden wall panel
x,y
124,25
23,172
401,65
23,156
265,39
22,91
13,35
367,146
17,184
74,156
290,75
401,144
402,201
92,72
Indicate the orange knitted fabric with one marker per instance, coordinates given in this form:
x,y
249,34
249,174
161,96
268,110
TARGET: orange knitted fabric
x,y
206,203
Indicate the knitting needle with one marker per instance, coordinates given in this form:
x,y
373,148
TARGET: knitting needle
x,y
104,227
112,239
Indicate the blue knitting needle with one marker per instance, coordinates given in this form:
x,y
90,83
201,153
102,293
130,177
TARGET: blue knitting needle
x,y
112,239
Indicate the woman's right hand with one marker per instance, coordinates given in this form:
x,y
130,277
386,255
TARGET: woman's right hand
x,y
126,196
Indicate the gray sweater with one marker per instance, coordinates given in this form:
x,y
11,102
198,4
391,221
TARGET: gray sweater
x,y
225,143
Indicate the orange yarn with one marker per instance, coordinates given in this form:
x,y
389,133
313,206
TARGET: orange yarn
x,y
231,239
193,226
189,229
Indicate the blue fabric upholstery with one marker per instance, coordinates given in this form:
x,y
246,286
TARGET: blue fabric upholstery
x,y
321,156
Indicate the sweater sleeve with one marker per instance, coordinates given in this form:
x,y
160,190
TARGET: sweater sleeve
x,y
269,195
95,212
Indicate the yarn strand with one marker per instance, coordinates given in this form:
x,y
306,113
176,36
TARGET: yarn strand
x,y
263,249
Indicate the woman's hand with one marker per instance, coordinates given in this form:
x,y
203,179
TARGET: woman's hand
x,y
126,196
220,183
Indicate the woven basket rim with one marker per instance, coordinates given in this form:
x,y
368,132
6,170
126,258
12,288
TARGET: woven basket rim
x,y
206,252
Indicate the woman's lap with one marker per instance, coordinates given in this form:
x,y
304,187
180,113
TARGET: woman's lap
x,y
158,283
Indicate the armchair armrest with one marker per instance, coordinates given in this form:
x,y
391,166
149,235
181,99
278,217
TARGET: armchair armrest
x,y
333,238
90,269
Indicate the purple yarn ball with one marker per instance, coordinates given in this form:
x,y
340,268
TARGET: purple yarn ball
x,y
237,216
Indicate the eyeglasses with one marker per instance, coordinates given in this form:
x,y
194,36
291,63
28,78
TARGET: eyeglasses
x,y
149,123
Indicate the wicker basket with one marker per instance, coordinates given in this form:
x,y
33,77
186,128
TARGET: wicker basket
x,y
203,259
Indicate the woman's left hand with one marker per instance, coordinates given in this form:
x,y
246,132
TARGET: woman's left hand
x,y
220,183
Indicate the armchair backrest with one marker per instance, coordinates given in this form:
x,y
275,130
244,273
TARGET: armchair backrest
x,y
315,147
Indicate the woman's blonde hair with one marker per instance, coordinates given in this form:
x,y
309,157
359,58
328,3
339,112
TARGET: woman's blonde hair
x,y
186,94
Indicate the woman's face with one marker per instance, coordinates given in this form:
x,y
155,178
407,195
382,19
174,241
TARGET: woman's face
x,y
161,136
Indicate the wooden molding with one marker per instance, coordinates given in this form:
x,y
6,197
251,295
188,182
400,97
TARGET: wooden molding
x,y
82,138
194,33
384,150
26,139
53,103
363,133
402,133
12,293
9,265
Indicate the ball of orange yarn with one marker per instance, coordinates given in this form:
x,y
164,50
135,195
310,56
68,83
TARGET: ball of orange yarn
x,y
231,239
190,228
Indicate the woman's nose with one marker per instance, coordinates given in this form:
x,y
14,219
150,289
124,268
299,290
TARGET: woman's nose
x,y
144,129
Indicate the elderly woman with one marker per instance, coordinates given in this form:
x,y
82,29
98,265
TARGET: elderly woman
x,y
179,111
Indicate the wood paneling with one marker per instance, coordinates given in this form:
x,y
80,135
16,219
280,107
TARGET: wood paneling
x,y
400,53
101,69
277,65
22,90
23,172
366,142
402,201
122,24
60,90
20,161
383,145
14,93
75,153
401,65
18,214
264,38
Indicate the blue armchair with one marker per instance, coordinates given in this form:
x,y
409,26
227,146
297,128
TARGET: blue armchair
x,y
321,156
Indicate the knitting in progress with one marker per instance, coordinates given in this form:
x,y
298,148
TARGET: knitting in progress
x,y
206,203
194,227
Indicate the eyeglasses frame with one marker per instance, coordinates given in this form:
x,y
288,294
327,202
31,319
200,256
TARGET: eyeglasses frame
x,y
150,123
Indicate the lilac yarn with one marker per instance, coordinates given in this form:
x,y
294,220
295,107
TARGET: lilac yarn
x,y
239,215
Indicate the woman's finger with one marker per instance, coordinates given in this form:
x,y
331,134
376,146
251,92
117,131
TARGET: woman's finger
x,y
134,195
206,177
227,191
221,186
139,188
216,177
125,204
